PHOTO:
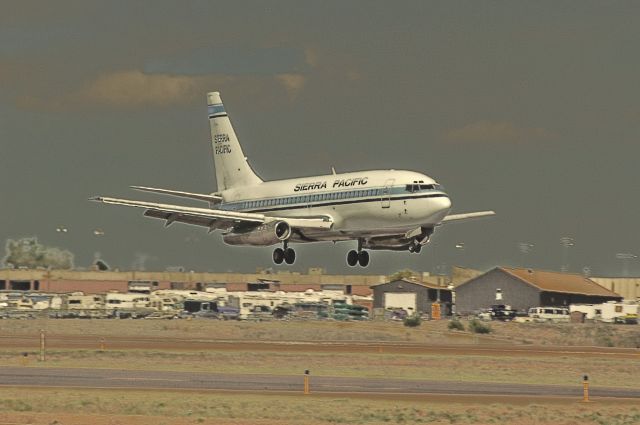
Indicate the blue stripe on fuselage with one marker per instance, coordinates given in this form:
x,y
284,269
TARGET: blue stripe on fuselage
x,y
327,199
216,109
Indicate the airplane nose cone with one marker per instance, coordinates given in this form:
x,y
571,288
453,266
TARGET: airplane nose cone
x,y
444,203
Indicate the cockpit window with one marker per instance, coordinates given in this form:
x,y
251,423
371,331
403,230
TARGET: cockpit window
x,y
415,187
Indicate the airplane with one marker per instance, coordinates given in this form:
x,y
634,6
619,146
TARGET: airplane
x,y
379,209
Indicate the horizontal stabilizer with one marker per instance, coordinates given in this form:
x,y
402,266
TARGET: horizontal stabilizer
x,y
214,199
467,216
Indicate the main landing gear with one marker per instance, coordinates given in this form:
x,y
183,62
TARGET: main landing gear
x,y
358,257
288,255
415,249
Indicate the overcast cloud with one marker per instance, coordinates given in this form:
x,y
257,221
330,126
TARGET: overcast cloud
x,y
528,108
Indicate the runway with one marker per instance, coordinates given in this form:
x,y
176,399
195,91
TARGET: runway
x,y
137,379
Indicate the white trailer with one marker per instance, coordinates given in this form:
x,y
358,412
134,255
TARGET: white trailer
x,y
607,312
85,302
118,301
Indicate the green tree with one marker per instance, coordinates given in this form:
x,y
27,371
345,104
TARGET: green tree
x,y
27,252
402,274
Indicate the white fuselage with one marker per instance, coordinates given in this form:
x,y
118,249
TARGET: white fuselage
x,y
375,203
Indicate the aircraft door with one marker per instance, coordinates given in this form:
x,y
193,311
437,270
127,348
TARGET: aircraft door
x,y
386,193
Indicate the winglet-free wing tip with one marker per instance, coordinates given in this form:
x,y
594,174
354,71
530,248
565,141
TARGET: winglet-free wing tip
x,y
96,198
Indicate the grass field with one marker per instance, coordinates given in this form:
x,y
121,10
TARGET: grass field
x,y
459,367
433,332
75,407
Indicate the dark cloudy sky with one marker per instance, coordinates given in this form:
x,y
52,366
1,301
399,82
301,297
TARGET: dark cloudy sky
x,y
528,108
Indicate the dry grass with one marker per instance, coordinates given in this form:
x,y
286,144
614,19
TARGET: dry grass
x,y
469,368
434,332
79,407
208,408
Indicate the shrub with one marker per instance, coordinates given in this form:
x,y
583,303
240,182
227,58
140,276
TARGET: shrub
x,y
478,327
412,321
455,325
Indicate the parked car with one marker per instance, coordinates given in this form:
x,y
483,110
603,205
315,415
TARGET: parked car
x,y
502,312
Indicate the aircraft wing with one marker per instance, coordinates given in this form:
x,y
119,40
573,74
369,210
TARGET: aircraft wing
x,y
467,216
210,218
214,199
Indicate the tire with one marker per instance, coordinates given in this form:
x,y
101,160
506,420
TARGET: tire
x,y
278,255
363,258
417,249
352,258
289,256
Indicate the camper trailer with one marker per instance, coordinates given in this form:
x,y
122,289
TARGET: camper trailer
x,y
610,312
79,301
549,314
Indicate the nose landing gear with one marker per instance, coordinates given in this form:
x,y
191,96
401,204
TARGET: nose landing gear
x,y
287,255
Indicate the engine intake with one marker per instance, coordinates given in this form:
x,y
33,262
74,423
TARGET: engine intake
x,y
282,230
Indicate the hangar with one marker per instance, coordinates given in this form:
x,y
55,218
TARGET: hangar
x,y
412,296
526,288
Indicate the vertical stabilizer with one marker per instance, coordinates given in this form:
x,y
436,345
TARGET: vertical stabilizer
x,y
232,169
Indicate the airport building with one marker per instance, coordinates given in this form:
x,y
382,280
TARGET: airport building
x,y
525,288
412,296
627,287
93,282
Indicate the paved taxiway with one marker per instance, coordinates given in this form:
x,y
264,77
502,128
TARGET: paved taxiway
x,y
136,379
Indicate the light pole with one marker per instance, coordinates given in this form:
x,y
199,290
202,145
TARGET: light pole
x,y
524,248
625,257
460,251
566,243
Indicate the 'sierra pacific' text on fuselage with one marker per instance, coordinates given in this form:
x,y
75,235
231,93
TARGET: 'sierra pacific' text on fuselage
x,y
356,181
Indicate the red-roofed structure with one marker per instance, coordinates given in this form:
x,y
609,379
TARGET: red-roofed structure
x,y
526,288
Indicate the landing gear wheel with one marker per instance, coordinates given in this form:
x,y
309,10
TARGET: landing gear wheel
x,y
363,258
278,255
417,249
289,256
352,258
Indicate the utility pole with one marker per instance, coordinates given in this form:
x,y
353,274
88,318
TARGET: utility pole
x,y
625,257
566,243
525,248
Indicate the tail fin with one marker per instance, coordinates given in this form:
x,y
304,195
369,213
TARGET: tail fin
x,y
232,169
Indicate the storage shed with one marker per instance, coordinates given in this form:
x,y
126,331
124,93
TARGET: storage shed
x,y
412,296
526,288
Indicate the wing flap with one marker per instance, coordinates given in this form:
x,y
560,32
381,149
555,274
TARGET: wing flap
x,y
197,216
210,223
213,219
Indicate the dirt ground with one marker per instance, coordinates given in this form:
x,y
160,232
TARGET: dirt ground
x,y
106,407
431,332
525,353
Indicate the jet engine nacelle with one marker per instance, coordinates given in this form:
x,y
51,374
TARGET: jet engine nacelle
x,y
264,235
394,243
387,243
